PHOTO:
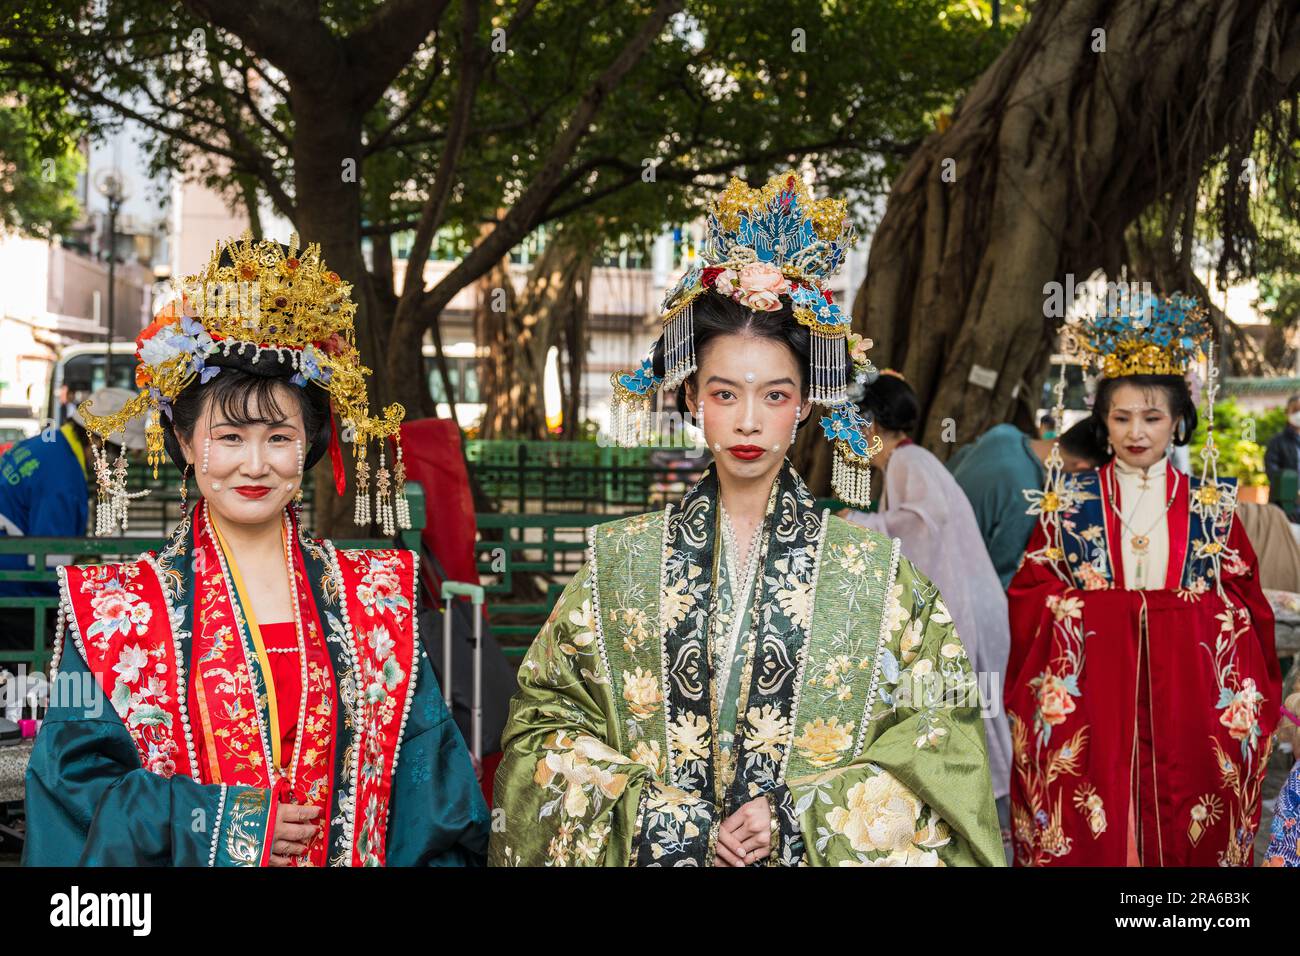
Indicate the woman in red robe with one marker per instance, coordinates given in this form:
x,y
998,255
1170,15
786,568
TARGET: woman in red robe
x,y
1143,685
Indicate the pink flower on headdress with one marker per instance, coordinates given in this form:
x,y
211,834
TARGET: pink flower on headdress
x,y
761,286
725,282
858,346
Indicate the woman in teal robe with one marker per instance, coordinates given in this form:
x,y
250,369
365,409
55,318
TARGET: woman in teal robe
x,y
249,695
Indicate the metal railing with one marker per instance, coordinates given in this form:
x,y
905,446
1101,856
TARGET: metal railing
x,y
580,477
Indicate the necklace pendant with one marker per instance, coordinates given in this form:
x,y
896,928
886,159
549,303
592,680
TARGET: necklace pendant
x,y
1140,543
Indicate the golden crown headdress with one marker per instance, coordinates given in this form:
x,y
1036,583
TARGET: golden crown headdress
x,y
261,302
1138,333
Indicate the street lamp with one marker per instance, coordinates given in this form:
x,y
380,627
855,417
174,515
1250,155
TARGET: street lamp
x,y
112,187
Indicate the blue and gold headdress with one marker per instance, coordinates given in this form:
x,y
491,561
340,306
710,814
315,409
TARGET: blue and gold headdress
x,y
1143,334
764,245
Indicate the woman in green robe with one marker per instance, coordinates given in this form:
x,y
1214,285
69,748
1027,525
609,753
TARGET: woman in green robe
x,y
744,679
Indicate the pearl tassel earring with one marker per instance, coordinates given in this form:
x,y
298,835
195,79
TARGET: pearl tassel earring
x,y
103,516
399,491
383,503
207,448
361,514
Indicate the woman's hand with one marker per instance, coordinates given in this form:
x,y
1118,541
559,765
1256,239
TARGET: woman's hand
x,y
294,828
745,837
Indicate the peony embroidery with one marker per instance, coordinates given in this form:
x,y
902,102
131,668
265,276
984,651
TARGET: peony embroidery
x,y
116,612
641,691
381,586
823,742
1241,715
1055,700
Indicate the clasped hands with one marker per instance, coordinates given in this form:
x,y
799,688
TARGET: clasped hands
x,y
745,837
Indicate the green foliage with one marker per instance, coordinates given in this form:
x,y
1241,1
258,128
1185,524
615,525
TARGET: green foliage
x,y
39,164
849,85
1269,424
1239,456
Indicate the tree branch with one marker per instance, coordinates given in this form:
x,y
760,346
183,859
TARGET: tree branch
x,y
290,35
424,307
473,63
380,48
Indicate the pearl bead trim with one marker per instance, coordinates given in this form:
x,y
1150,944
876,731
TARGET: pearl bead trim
x,y
663,648
880,646
595,603
216,827
65,615
182,684
301,726
350,816
414,672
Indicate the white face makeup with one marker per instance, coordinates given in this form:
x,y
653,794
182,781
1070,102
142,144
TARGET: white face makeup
x,y
249,472
749,416
1139,425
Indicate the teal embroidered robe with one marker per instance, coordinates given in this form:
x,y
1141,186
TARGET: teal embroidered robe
x,y
101,792
859,718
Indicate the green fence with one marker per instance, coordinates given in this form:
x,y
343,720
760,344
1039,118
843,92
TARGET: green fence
x,y
122,548
581,477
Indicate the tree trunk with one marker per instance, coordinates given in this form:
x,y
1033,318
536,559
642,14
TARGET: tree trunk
x,y
1153,259
1050,156
329,212
517,334
574,343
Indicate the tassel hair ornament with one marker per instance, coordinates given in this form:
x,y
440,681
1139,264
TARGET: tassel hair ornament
x,y
361,510
679,345
851,478
399,489
828,378
383,499
112,499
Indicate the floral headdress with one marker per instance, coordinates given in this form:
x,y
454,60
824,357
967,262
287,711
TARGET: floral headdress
x,y
765,245
261,303
1143,334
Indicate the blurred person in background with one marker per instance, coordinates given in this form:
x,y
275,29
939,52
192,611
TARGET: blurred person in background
x,y
44,493
996,470
1283,454
925,509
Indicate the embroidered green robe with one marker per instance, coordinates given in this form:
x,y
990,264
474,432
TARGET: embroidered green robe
x,y
859,720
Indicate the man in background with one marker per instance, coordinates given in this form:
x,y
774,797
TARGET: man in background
x,y
998,468
1283,454
44,492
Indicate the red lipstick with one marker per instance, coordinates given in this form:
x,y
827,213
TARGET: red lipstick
x,y
746,452
1134,449
253,491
